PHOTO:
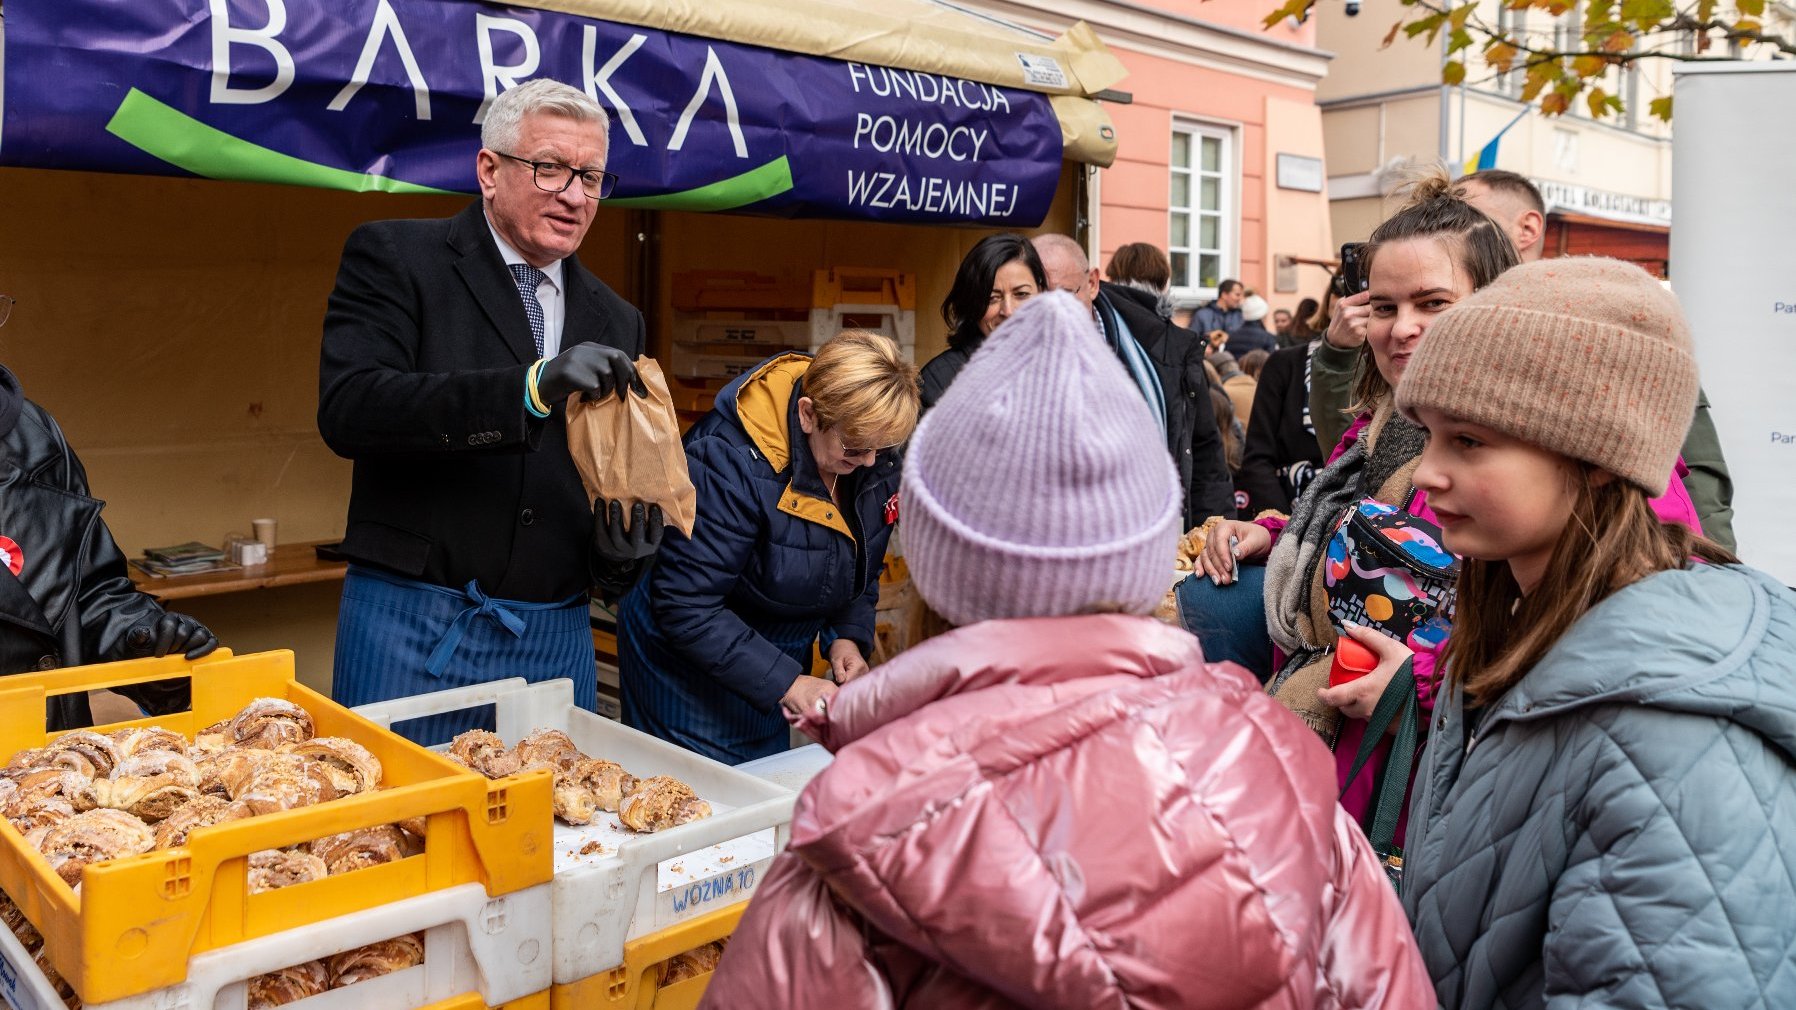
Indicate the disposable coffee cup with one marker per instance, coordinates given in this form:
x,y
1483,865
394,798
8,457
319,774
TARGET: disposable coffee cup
x,y
264,531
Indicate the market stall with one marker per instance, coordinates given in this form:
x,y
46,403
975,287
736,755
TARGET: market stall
x,y
180,176
171,285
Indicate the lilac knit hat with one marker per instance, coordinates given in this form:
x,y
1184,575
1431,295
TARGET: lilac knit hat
x,y
1040,484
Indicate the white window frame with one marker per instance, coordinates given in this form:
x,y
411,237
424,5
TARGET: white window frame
x,y
1229,211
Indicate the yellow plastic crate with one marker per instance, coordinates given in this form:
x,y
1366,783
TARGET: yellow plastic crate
x,y
636,984
137,920
472,1001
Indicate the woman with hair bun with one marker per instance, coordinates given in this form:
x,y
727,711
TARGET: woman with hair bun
x,y
1268,583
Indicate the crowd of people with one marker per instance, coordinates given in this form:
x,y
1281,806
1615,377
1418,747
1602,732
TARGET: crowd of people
x,y
1567,776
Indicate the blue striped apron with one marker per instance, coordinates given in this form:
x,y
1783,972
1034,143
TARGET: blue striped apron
x,y
397,637
670,697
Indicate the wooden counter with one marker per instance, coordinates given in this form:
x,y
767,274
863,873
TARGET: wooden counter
x,y
291,565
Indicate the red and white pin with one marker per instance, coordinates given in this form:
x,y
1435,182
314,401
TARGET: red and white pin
x,y
12,555
892,509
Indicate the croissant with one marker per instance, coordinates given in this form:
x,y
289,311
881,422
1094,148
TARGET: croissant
x,y
149,738
546,748
212,739
94,837
284,782
37,817
272,868
353,850
30,758
659,803
266,723
587,786
44,783
377,959
351,768
86,752
289,985
224,773
485,753
200,812
692,963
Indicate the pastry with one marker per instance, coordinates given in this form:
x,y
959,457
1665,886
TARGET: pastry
x,y
86,752
692,963
212,739
354,850
149,738
149,785
44,783
272,868
352,769
21,927
225,772
29,758
285,782
94,837
266,723
485,753
289,985
200,812
659,803
546,748
587,786
35,818
376,959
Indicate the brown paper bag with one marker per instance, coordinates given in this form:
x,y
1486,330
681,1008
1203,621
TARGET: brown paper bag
x,y
629,450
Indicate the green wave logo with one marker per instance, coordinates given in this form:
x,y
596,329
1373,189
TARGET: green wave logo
x,y
171,135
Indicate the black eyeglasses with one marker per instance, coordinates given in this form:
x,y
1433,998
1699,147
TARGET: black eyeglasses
x,y
5,308
554,177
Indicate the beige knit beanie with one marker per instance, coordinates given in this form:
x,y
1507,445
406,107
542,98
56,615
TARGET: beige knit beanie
x,y
1588,357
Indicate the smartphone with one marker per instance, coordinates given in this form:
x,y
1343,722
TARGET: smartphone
x,y
1351,278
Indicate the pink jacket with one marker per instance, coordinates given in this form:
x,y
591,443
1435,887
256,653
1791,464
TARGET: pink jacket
x,y
1071,812
1673,506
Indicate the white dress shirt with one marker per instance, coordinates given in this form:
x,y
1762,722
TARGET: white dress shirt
x,y
549,291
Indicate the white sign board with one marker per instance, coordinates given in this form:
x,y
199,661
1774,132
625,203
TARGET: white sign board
x,y
1733,269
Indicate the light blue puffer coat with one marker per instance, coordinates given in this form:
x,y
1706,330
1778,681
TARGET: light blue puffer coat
x,y
1621,830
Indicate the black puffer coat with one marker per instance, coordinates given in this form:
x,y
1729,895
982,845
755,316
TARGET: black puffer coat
x,y
61,562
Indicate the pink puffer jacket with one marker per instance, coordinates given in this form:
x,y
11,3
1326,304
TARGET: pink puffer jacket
x,y
1070,812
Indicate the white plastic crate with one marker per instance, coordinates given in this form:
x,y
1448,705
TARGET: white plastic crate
x,y
499,947
711,330
899,324
633,885
793,769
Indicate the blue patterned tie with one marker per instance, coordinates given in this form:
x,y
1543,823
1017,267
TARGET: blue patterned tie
x,y
528,277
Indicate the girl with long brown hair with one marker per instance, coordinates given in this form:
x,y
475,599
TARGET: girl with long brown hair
x,y
1433,253
1606,810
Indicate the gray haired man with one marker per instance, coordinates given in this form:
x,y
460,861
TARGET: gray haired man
x,y
449,348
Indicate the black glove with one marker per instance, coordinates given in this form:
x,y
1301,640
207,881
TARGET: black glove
x,y
171,633
614,543
592,369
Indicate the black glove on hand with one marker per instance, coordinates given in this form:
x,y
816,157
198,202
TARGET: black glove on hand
x,y
170,633
614,543
592,369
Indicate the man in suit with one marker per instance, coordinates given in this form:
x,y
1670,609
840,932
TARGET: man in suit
x,y
449,348
1165,361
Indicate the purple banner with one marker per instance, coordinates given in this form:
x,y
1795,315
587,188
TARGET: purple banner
x,y
388,95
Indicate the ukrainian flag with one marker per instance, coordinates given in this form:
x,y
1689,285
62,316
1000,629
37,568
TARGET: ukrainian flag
x,y
1487,155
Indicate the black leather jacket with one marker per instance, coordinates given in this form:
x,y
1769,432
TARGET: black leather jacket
x,y
65,597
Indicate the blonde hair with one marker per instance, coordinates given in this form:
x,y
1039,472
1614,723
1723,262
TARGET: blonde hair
x,y
860,385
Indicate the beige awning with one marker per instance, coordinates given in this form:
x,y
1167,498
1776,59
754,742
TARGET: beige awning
x,y
922,35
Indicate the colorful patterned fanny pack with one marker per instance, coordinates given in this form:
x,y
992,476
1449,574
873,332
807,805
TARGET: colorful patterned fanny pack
x,y
1387,569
